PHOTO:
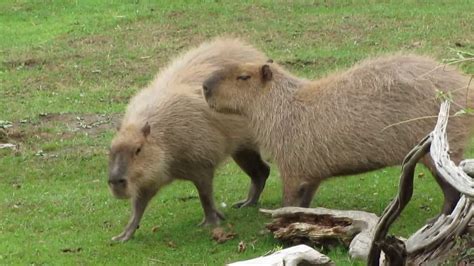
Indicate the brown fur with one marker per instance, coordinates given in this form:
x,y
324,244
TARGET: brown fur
x,y
337,125
169,133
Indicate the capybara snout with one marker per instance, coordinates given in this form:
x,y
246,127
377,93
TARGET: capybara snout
x,y
117,181
119,189
117,184
209,85
206,90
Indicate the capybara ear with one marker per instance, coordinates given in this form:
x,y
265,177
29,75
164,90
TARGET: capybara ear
x,y
146,129
267,74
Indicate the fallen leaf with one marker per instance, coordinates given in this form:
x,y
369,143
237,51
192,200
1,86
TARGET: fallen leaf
x,y
241,247
155,228
171,244
221,236
421,175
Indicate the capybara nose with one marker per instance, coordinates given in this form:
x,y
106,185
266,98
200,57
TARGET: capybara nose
x,y
117,182
206,90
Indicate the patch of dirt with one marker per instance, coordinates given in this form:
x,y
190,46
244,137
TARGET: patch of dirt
x,y
72,124
92,124
97,40
24,63
176,13
3,136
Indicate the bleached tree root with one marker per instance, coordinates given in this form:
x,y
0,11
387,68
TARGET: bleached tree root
x,y
292,256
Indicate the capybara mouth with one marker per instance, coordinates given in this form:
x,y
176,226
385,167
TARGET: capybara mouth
x,y
220,109
211,104
119,193
226,110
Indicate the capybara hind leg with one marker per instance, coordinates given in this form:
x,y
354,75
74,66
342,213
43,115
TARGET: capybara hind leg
x,y
211,215
251,162
298,192
139,204
451,195
306,193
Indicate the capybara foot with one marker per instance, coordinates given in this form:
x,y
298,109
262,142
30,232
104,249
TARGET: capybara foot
x,y
125,236
213,219
245,203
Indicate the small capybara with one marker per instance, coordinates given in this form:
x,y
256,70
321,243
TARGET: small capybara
x,y
169,133
345,123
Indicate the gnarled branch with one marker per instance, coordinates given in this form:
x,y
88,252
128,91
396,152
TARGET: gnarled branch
x,y
432,243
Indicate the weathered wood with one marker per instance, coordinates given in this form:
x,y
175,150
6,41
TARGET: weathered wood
x,y
431,243
397,205
293,256
451,173
468,167
324,226
434,242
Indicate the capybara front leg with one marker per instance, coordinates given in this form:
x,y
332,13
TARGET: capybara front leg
x,y
139,204
253,165
298,192
211,215
306,193
291,187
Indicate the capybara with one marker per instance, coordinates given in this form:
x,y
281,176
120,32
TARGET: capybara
x,y
169,133
345,123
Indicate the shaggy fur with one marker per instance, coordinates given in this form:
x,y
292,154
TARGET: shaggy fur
x,y
169,133
340,125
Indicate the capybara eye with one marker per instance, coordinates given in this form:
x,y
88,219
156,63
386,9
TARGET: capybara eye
x,y
244,77
138,151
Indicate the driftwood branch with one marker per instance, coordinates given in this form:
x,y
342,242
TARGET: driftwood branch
x,y
297,255
432,243
397,205
439,153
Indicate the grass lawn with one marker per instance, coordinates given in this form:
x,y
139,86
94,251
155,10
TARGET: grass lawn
x,y
68,69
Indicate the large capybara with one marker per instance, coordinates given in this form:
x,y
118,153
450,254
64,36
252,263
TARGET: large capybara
x,y
345,123
169,133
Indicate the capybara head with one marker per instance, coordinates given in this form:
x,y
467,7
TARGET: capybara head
x,y
231,88
126,160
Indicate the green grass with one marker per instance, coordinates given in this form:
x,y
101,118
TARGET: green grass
x,y
86,58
